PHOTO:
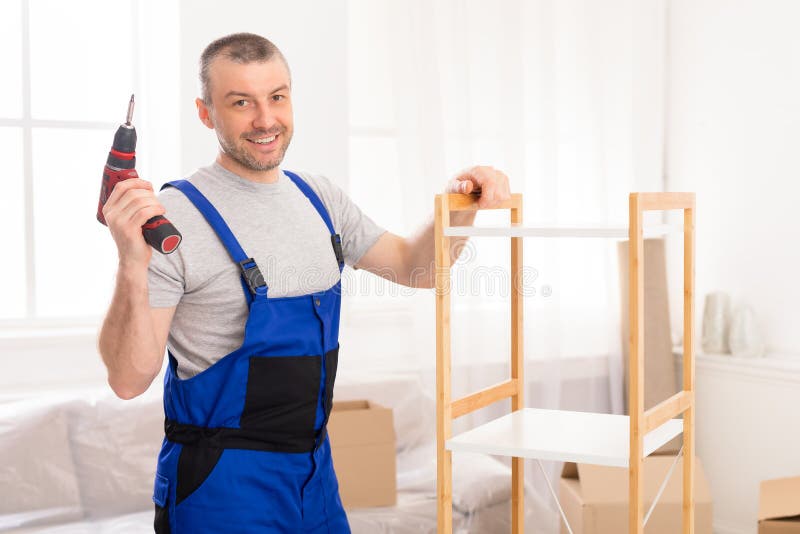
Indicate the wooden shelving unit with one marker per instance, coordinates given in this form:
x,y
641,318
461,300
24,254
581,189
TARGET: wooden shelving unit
x,y
605,439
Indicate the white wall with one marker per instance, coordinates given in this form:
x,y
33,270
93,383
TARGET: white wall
x,y
732,136
733,132
744,434
319,52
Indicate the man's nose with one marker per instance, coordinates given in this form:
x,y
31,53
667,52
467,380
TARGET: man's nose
x,y
264,118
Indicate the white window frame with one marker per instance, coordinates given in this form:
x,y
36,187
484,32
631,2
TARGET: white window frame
x,y
31,320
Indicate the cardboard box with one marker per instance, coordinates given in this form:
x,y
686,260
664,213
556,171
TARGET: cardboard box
x,y
363,448
660,380
595,498
779,506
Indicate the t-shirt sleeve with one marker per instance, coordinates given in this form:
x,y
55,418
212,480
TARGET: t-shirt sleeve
x,y
165,274
165,282
359,232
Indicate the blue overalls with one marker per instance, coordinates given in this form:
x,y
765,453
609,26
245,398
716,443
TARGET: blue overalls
x,y
246,448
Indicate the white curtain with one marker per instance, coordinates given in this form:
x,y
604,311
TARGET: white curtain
x,y
566,97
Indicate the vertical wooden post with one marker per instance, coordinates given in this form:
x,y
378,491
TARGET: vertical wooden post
x,y
517,372
688,369
636,367
444,466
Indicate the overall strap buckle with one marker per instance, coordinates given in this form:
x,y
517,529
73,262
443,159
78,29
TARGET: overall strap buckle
x,y
336,240
252,276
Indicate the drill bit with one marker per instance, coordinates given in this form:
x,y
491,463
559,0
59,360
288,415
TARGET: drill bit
x,y
130,112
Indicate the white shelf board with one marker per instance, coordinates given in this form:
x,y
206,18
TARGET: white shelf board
x,y
592,438
515,230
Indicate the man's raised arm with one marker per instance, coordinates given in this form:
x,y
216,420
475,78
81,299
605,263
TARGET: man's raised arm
x,y
134,335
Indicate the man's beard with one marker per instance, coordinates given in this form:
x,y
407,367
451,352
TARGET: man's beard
x,y
244,158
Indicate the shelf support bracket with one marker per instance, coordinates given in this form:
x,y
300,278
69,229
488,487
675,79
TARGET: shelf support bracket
x,y
555,497
663,486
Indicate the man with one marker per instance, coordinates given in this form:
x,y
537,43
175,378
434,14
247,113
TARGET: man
x,y
253,337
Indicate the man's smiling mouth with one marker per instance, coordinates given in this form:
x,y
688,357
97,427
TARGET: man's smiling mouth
x,y
263,140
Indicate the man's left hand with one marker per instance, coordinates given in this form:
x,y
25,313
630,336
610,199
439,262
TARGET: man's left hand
x,y
488,182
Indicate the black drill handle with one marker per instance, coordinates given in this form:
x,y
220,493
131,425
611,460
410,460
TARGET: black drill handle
x,y
161,234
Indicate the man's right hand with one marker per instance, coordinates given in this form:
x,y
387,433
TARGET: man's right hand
x,y
130,205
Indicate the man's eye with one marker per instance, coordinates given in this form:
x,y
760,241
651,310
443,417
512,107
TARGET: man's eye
x,y
278,98
240,103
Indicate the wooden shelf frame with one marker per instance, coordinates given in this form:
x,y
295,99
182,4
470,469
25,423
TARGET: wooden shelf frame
x,y
641,422
682,402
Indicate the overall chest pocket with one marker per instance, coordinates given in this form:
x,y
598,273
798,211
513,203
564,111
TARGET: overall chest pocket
x,y
282,394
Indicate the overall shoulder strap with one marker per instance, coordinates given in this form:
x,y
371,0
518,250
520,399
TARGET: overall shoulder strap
x,y
312,196
336,239
250,273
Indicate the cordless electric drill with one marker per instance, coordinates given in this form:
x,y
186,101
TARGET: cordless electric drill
x,y
121,165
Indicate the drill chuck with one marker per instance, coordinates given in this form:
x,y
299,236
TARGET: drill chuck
x,y
125,139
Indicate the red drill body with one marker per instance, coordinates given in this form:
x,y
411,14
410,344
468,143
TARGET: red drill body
x,y
121,165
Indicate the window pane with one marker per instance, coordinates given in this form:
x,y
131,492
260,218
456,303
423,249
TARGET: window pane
x,y
11,59
75,255
81,63
12,203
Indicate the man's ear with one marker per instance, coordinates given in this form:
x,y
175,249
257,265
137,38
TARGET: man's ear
x,y
203,113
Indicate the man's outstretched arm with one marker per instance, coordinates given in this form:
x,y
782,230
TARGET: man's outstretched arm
x,y
410,260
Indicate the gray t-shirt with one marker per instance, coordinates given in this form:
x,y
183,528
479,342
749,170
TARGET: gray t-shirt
x,y
277,226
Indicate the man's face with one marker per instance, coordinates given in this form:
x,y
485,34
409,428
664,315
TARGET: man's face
x,y
251,112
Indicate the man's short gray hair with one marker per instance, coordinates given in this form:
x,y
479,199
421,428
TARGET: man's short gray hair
x,y
240,48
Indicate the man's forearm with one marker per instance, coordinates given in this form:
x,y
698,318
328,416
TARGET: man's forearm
x,y
127,340
422,249
410,261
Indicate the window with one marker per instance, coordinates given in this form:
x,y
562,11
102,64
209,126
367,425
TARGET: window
x,y
69,72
